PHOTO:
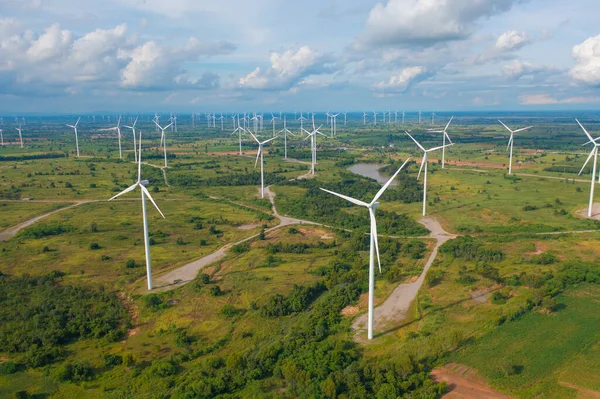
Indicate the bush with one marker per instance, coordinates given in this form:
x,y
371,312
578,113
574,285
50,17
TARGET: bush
x,y
228,311
180,241
130,264
434,277
75,372
154,302
111,360
544,259
94,246
241,248
162,368
94,227
215,291
499,297
7,368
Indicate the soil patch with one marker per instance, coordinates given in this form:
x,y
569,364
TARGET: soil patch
x,y
464,383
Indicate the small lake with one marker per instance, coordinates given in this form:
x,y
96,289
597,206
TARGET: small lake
x,y
371,170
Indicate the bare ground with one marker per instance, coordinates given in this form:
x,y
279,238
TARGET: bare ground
x,y
583,213
464,383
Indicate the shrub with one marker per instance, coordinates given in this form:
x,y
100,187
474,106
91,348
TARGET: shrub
x,y
544,259
162,368
180,241
94,227
111,360
94,246
228,311
154,302
74,372
499,297
241,248
130,264
7,368
215,291
434,277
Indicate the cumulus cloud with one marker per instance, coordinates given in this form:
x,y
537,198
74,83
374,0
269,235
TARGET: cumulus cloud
x,y
56,61
511,40
287,69
587,61
425,22
518,69
407,77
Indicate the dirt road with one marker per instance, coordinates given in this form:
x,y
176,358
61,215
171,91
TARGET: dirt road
x,y
395,308
464,383
12,231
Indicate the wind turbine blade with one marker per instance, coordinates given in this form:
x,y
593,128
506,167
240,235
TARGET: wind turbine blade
x,y
449,122
128,189
507,128
586,132
374,236
254,137
520,130
422,163
145,190
587,160
382,190
509,141
136,119
140,158
439,148
257,155
271,139
413,139
448,137
168,125
354,201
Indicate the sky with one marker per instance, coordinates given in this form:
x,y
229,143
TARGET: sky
x,y
74,56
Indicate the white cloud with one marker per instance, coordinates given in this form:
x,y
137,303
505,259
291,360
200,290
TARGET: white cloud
x,y
587,61
517,69
401,82
287,69
53,43
511,40
545,99
425,22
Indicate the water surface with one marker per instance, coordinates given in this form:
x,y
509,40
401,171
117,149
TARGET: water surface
x,y
371,170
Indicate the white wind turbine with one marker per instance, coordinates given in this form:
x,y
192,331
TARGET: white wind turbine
x,y
420,117
118,129
163,138
424,162
145,193
273,119
445,136
1,139
285,131
334,124
511,142
374,118
76,139
374,245
313,144
20,135
239,129
301,119
364,118
593,153
132,127
260,154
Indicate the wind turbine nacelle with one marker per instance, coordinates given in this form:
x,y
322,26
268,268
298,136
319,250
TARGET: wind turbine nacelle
x,y
144,183
375,205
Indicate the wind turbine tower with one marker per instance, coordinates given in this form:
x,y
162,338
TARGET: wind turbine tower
x,y
510,143
374,245
74,127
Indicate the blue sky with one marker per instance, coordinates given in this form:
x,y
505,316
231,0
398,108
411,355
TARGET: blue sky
x,y
69,56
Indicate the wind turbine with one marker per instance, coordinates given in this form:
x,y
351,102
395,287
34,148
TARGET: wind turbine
x,y
419,117
132,127
313,144
433,117
163,138
260,153
445,136
593,153
424,163
285,131
20,135
374,118
145,193
364,118
301,119
374,245
344,117
76,139
239,130
1,139
334,124
511,141
273,118
118,129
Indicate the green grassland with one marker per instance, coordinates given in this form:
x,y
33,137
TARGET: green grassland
x,y
197,338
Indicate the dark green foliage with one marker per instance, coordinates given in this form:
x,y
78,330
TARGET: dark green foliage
x,y
469,248
488,271
111,360
241,248
499,297
215,291
130,264
180,241
21,395
434,277
318,205
228,311
162,368
75,372
261,235
297,301
94,246
155,302
230,179
94,227
545,258
530,208
7,368
39,315
41,230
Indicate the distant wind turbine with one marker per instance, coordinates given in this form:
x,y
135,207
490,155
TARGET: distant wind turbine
x,y
76,139
510,143
20,135
285,131
163,139
374,245
132,127
424,162
239,129
145,193
313,144
260,154
445,136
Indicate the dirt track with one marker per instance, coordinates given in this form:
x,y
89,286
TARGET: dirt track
x,y
395,308
463,383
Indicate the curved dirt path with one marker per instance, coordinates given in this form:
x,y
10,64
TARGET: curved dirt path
x,y
12,231
396,306
188,272
162,169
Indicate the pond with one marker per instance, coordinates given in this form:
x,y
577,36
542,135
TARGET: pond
x,y
371,170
